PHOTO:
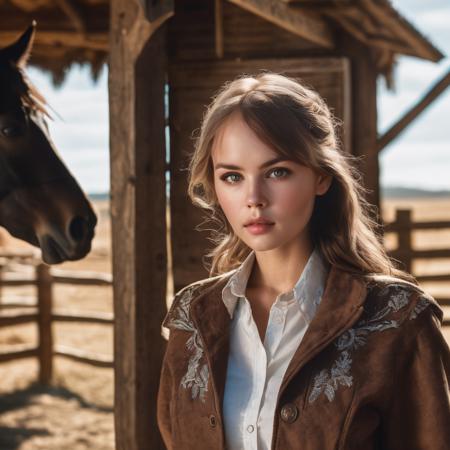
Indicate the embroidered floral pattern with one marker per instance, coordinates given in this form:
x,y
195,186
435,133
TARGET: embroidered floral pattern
x,y
328,381
196,377
421,305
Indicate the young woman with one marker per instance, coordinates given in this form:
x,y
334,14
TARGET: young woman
x,y
305,336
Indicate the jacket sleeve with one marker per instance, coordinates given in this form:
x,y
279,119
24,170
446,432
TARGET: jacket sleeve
x,y
164,400
163,413
419,414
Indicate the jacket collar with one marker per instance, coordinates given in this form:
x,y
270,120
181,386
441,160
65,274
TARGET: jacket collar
x,y
340,307
307,291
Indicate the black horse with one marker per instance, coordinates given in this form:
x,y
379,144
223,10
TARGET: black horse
x,y
40,201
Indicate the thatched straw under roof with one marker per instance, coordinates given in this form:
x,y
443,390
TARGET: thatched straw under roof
x,y
68,32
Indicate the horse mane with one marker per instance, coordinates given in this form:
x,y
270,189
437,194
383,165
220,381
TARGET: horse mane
x,y
31,97
13,79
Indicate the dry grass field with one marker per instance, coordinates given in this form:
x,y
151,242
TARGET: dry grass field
x,y
77,413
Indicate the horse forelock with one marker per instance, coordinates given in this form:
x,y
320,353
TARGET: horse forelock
x,y
15,85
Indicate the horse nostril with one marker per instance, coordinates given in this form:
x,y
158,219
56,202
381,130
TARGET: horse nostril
x,y
78,228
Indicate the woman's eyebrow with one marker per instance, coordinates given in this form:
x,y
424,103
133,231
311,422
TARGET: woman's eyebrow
x,y
262,166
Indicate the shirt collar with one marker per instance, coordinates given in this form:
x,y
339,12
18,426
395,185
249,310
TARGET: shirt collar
x,y
307,290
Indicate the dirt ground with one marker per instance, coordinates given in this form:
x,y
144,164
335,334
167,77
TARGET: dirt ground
x,y
77,412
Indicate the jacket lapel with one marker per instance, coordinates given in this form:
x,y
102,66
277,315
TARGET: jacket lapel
x,y
341,306
212,320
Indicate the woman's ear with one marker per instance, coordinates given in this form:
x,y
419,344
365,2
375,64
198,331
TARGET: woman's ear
x,y
323,183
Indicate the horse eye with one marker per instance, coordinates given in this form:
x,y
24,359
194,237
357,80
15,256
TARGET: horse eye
x,y
12,131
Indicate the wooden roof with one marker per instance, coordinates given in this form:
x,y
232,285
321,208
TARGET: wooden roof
x,y
71,31
375,23
68,31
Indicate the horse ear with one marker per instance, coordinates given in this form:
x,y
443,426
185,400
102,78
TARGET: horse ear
x,y
19,51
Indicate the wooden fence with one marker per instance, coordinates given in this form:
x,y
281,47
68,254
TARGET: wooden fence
x,y
44,315
404,227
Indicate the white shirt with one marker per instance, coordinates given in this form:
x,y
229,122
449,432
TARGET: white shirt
x,y
255,370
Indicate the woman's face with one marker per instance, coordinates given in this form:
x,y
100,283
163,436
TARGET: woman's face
x,y
249,184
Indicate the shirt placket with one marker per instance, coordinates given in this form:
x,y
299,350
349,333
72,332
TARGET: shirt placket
x,y
262,355
259,371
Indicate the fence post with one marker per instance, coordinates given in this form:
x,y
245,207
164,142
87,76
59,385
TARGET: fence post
x,y
404,222
45,349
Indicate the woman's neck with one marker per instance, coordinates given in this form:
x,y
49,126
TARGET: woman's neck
x,y
279,270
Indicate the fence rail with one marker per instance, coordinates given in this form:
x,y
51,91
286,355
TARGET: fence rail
x,y
44,315
403,225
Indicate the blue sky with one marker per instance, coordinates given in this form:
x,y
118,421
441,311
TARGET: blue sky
x,y
420,157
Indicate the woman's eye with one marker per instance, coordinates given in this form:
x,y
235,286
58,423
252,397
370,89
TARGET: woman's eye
x,y
280,169
226,177
229,177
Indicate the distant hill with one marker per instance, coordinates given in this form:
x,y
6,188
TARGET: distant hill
x,y
386,192
404,192
96,196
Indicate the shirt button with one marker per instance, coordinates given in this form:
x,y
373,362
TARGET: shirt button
x,y
279,320
212,420
250,428
289,412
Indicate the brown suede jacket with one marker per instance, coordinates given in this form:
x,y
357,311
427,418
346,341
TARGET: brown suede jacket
x,y
372,371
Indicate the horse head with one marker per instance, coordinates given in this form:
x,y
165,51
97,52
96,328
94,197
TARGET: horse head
x,y
40,200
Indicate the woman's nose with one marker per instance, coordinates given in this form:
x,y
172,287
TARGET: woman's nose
x,y
255,196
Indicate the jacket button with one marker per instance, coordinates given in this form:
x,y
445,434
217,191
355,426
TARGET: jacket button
x,y
289,412
212,420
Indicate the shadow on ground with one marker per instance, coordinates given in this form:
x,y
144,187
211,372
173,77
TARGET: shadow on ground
x,y
12,437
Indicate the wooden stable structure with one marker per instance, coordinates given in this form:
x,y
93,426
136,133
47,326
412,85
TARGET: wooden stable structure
x,y
182,51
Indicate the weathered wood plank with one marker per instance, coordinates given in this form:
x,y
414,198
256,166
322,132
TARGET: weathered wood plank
x,y
363,114
95,41
303,24
93,359
9,319
100,317
157,9
72,11
45,332
19,352
138,208
218,21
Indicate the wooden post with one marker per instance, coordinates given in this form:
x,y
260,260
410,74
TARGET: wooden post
x,y
45,346
364,114
137,79
404,222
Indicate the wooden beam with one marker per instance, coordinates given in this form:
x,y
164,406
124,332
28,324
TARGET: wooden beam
x,y
318,3
218,28
157,9
71,39
391,19
72,11
368,34
29,6
307,25
137,79
364,114
395,130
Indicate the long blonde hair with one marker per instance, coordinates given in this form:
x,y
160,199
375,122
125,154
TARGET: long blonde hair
x,y
295,121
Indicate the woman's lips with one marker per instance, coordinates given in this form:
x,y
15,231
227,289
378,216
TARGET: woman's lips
x,y
259,228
